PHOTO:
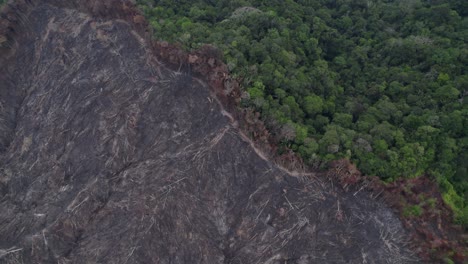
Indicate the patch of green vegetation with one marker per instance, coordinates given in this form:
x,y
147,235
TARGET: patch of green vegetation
x,y
412,210
448,261
383,83
432,203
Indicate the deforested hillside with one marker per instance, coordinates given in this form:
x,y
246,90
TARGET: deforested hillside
x,y
108,155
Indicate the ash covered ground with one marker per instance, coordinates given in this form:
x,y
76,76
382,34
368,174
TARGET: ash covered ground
x,y
109,156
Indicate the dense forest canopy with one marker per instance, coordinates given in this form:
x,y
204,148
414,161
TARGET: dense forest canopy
x,y
383,83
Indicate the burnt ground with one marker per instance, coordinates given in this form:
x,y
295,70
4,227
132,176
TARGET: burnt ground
x,y
109,156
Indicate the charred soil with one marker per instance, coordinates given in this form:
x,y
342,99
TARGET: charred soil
x,y
110,154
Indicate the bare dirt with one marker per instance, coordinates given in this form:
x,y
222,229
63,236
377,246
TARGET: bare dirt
x,y
107,155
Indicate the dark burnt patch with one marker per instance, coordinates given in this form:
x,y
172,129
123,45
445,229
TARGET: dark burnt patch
x,y
113,156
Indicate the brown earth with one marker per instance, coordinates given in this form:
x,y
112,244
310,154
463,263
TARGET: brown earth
x,y
110,154
433,234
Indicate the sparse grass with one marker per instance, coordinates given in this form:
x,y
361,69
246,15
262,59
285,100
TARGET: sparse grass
x,y
412,210
432,202
448,261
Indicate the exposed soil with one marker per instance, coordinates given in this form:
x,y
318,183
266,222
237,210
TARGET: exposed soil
x,y
431,226
418,202
110,155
